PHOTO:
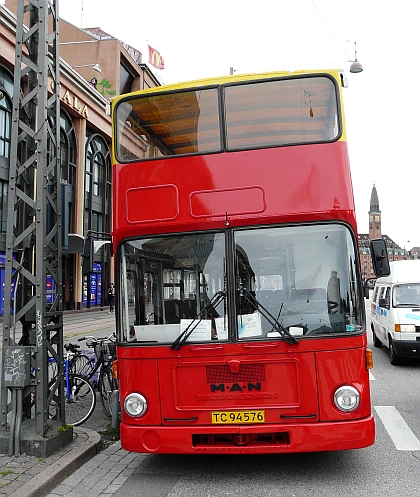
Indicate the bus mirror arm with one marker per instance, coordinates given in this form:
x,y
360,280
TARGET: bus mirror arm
x,y
366,287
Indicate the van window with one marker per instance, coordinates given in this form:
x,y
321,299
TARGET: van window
x,y
375,294
384,295
382,292
406,295
388,296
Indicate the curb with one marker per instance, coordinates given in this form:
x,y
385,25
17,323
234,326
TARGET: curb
x,y
48,479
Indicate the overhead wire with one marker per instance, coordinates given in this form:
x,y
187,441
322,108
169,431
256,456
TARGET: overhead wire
x,y
331,31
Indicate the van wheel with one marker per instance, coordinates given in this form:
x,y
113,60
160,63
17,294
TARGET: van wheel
x,y
376,341
395,359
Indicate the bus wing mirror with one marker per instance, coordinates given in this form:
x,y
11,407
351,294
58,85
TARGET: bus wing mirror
x,y
379,255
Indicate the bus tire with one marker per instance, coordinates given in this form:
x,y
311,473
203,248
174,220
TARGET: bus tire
x,y
394,359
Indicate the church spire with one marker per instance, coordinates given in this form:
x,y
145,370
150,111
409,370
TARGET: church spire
x,y
375,230
374,200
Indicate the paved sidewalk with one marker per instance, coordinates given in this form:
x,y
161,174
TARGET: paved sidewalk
x,y
76,470
104,474
30,476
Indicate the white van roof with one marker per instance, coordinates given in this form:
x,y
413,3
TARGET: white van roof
x,y
402,272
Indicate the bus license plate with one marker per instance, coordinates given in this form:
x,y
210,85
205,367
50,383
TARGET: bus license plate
x,y
237,417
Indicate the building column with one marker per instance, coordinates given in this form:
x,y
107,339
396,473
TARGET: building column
x,y
80,129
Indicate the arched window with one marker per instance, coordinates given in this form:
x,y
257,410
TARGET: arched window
x,y
6,95
97,184
97,213
5,123
68,148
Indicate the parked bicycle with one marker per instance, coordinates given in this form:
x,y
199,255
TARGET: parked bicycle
x,y
97,369
79,396
81,361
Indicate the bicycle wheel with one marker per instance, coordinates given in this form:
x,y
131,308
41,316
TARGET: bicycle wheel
x,y
106,387
81,365
52,371
79,402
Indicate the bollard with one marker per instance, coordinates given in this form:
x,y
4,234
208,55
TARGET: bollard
x,y
115,409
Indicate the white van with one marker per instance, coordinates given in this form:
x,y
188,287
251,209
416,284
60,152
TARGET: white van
x,y
395,311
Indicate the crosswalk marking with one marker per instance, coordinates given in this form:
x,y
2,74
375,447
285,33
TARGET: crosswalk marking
x,y
400,433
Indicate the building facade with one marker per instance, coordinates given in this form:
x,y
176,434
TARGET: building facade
x,y
85,131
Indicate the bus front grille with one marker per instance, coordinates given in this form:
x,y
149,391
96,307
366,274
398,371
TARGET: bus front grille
x,y
221,373
240,440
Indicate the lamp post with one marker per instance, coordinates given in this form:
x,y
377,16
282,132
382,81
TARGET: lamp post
x,y
356,66
95,67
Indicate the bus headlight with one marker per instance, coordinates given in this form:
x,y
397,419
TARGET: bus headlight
x,y
135,405
346,398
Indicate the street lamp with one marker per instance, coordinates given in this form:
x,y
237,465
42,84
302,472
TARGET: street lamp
x,y
355,66
95,67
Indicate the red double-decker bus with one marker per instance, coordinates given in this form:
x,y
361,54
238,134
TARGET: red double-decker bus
x,y
240,313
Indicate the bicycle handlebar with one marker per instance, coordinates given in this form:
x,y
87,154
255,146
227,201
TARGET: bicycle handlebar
x,y
111,338
71,347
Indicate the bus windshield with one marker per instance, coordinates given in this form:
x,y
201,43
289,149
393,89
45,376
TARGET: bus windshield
x,y
290,281
229,117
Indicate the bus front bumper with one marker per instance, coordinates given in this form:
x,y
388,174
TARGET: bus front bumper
x,y
285,438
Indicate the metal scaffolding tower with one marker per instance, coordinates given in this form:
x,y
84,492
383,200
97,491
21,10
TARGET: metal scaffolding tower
x,y
33,327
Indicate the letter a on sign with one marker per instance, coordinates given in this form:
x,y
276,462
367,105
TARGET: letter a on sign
x,y
156,59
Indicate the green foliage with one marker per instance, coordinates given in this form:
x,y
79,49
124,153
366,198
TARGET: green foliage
x,y
105,84
64,428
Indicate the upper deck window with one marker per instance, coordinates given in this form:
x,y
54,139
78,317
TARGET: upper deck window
x,y
282,112
234,116
168,124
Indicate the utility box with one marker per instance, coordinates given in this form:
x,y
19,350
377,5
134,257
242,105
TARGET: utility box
x,y
17,367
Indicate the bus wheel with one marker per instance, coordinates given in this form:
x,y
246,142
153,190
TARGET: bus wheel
x,y
395,359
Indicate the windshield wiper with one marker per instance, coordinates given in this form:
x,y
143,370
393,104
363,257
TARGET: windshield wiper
x,y
277,326
213,303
